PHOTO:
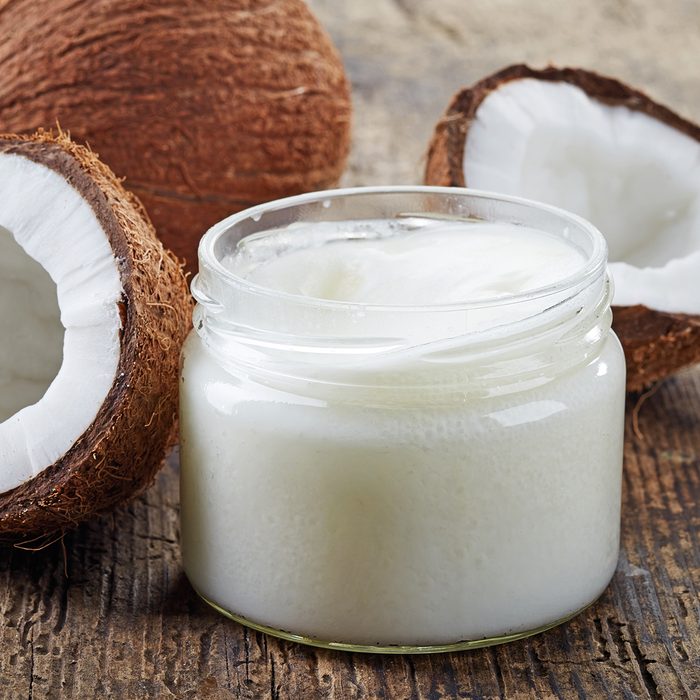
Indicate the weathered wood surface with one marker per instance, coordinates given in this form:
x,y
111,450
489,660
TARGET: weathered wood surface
x,y
109,614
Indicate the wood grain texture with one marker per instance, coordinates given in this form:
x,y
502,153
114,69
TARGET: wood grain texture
x,y
115,618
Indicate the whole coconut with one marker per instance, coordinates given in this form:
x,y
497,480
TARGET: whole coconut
x,y
206,106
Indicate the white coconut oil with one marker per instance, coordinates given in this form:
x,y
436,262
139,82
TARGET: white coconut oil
x,y
403,430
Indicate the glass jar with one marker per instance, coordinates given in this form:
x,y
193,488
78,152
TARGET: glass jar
x,y
399,478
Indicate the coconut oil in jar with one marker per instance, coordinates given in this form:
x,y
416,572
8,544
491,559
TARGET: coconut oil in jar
x,y
401,419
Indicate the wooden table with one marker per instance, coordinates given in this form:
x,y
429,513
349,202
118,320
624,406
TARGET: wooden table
x,y
107,613
110,614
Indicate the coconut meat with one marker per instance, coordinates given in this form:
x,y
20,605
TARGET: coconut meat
x,y
59,339
31,348
636,178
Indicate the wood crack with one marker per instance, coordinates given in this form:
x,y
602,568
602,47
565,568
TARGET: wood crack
x,y
498,672
274,689
31,668
246,651
643,663
412,674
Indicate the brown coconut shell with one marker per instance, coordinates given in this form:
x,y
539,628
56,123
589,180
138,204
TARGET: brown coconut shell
x,y
120,453
656,343
206,106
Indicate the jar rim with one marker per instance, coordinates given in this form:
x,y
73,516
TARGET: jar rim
x,y
589,272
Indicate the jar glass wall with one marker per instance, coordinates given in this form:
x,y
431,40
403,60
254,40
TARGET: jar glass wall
x,y
399,478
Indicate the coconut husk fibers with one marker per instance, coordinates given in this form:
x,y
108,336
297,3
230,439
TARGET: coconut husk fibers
x,y
205,106
656,343
120,453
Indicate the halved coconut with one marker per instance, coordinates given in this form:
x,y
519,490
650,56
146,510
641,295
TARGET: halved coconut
x,y
608,152
93,313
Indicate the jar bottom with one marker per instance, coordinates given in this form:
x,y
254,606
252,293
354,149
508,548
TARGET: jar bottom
x,y
462,645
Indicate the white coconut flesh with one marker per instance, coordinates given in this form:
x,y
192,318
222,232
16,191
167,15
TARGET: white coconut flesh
x,y
634,177
59,318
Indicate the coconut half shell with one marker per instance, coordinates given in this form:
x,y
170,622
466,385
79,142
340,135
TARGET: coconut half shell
x,y
658,338
148,306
